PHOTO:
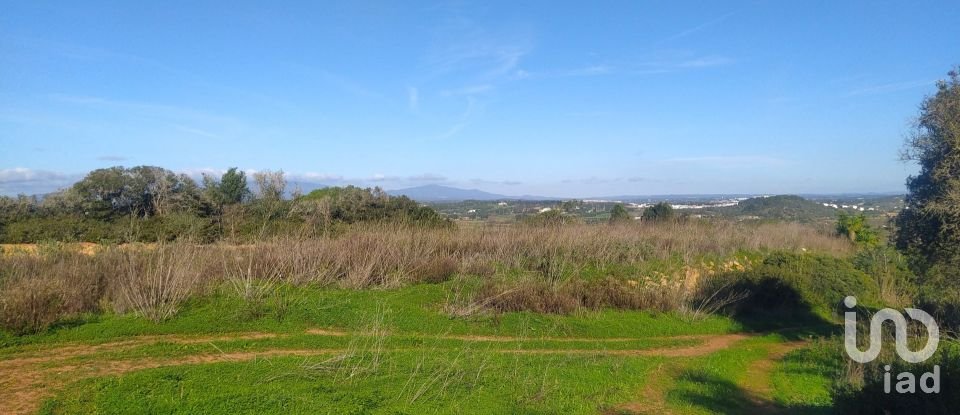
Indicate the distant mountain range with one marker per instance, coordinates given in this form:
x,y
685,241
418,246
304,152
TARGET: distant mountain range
x,y
438,193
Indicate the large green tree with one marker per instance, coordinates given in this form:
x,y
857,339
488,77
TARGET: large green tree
x,y
660,212
229,190
233,186
619,214
929,227
141,191
856,228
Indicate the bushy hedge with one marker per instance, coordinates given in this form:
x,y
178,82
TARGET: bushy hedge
x,y
306,216
64,228
785,281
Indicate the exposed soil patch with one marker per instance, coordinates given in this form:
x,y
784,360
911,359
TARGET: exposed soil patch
x,y
757,381
710,344
327,332
29,377
23,388
756,386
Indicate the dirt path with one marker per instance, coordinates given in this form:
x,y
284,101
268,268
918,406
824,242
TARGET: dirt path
x,y
507,339
48,353
756,387
710,344
654,395
25,387
30,376
757,382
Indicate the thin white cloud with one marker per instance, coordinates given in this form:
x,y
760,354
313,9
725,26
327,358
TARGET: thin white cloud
x,y
178,116
22,180
462,121
380,177
196,131
697,28
199,172
496,182
728,161
889,87
466,48
23,174
315,177
702,62
651,67
427,177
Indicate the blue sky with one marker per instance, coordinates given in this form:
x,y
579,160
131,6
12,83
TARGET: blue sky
x,y
577,99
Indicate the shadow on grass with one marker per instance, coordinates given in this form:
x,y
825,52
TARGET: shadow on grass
x,y
73,321
774,305
718,395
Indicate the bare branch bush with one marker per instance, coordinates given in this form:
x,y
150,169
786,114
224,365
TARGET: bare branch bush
x,y
154,282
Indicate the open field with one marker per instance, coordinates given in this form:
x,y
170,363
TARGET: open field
x,y
394,350
460,207
517,319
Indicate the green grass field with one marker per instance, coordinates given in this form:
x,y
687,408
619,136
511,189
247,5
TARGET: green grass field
x,y
322,350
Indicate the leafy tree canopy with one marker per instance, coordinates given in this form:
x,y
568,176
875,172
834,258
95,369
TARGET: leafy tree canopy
x,y
659,212
619,214
929,226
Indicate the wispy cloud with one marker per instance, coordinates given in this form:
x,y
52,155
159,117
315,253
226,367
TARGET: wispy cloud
x,y
495,182
311,74
384,178
196,131
198,172
380,177
591,180
651,67
315,177
484,60
22,180
889,87
728,160
175,115
427,177
696,29
465,48
462,121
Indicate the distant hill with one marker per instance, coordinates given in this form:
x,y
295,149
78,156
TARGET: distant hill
x,y
304,187
437,193
783,207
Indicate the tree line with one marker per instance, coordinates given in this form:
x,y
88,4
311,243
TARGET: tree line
x,y
151,204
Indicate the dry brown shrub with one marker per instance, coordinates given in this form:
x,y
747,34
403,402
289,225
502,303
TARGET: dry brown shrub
x,y
527,295
153,283
30,306
435,270
154,279
532,294
38,288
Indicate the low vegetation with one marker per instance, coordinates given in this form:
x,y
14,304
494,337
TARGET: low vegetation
x,y
362,302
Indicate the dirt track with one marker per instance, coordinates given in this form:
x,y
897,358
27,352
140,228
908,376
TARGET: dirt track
x,y
29,377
